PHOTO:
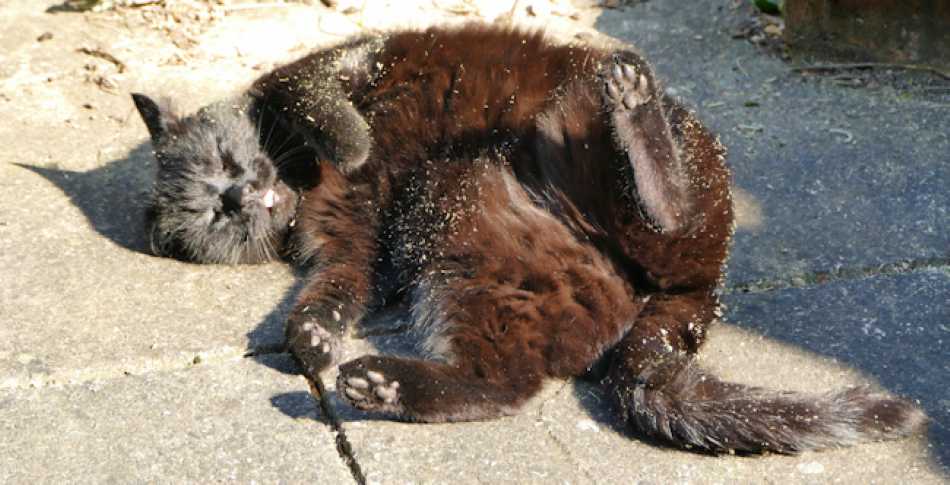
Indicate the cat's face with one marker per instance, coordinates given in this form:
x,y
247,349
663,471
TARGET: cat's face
x,y
217,197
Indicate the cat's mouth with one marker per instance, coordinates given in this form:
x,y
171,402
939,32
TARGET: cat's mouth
x,y
270,198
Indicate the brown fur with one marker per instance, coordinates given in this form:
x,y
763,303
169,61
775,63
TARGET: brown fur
x,y
540,227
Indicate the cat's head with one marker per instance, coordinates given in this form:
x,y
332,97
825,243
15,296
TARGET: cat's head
x,y
217,196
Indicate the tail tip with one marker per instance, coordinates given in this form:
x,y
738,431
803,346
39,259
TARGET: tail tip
x,y
889,417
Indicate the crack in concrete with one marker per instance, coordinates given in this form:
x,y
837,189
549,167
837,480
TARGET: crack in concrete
x,y
818,278
565,450
343,446
132,367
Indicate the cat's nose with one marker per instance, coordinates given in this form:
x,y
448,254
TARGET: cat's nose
x,y
231,199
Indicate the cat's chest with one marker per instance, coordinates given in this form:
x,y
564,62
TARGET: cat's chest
x,y
456,105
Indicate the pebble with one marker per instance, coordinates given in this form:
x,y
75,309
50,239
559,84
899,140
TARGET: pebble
x,y
811,468
587,425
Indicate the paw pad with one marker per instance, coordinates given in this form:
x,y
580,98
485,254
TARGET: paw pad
x,y
369,390
625,87
314,346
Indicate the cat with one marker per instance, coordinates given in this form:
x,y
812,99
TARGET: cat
x,y
548,212
229,176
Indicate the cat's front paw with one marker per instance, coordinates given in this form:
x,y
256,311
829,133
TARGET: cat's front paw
x,y
625,88
312,344
365,386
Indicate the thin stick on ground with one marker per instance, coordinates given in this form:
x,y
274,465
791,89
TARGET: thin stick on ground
x,y
872,65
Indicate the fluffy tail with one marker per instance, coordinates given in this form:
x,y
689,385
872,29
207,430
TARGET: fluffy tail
x,y
677,402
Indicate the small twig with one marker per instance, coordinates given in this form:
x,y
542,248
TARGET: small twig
x,y
841,131
143,3
319,392
741,69
103,55
872,65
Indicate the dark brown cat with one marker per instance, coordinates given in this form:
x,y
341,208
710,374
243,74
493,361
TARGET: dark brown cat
x,y
548,209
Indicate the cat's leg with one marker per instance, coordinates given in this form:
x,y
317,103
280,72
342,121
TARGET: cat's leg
x,y
492,345
313,94
430,391
494,341
641,130
336,238
481,366
657,385
510,296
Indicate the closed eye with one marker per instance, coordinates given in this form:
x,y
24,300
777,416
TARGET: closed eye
x,y
231,167
215,217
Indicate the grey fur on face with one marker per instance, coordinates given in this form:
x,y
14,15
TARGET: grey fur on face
x,y
216,197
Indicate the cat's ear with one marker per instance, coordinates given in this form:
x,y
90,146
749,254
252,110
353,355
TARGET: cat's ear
x,y
158,119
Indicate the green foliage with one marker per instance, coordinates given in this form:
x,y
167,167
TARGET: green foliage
x,y
771,7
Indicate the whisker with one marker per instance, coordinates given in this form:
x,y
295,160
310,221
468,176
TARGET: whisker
x,y
259,122
287,139
285,157
270,134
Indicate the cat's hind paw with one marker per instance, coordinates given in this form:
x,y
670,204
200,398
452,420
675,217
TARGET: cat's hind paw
x,y
625,88
368,389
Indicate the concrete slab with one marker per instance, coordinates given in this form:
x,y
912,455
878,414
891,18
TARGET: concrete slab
x,y
516,449
79,306
234,421
831,176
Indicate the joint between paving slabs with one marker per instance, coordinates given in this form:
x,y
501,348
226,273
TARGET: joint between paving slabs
x,y
819,278
561,446
343,447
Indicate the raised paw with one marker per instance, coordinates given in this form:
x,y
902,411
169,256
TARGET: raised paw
x,y
367,389
314,346
625,87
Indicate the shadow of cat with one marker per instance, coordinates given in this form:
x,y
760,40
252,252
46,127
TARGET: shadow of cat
x,y
267,337
111,197
298,404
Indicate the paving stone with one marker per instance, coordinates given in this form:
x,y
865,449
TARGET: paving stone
x,y
516,449
235,421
